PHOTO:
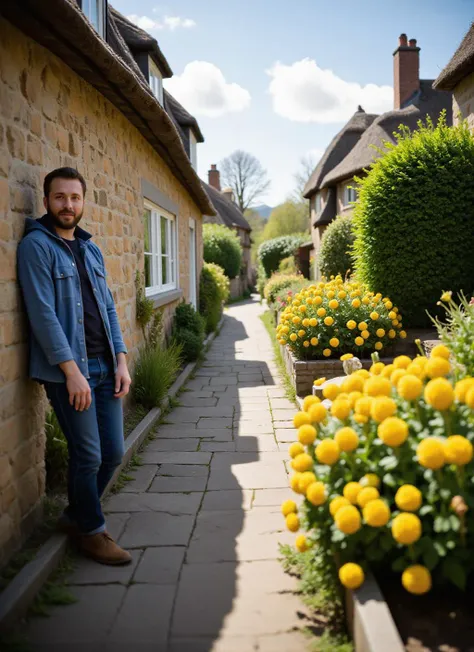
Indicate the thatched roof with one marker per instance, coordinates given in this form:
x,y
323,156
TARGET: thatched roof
x,y
460,66
427,102
182,117
229,212
329,211
61,27
339,148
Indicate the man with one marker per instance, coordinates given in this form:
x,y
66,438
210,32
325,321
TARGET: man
x,y
77,353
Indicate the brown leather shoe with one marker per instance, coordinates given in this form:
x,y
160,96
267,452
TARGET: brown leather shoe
x,y
102,548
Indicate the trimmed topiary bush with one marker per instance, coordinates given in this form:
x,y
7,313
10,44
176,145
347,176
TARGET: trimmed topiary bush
x,y
272,252
191,344
185,316
214,290
222,247
335,256
414,219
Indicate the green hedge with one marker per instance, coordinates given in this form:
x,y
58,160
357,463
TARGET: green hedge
x,y
222,247
272,252
335,255
414,220
214,290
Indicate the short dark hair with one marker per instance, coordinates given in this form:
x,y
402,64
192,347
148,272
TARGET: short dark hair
x,y
63,173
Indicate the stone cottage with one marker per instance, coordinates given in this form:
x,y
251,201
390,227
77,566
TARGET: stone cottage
x,y
74,91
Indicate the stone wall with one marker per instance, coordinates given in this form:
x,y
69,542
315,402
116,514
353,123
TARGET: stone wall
x,y
50,117
463,101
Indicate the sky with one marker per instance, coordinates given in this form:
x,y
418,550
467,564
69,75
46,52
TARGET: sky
x,y
279,78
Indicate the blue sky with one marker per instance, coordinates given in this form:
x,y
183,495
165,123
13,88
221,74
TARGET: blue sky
x,y
279,78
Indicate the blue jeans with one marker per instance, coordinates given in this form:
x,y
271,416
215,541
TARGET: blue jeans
x,y
95,443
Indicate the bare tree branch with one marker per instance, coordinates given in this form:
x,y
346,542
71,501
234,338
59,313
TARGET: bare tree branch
x,y
307,165
245,175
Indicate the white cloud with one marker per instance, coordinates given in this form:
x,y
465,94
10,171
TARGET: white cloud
x,y
203,90
304,92
168,22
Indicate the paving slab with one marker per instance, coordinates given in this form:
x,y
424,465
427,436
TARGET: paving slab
x,y
160,565
227,499
224,380
142,477
187,401
283,404
87,571
171,503
116,524
170,457
286,435
210,644
183,470
214,424
217,446
264,443
221,434
284,414
172,444
274,497
146,529
162,484
182,415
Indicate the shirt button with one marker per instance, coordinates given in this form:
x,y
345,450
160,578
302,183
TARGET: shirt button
x,y
79,304
82,359
73,264
80,321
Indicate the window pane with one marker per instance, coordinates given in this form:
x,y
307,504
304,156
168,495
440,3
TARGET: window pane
x,y
148,274
164,236
147,231
164,270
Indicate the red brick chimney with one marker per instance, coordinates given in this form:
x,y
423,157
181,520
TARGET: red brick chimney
x,y
214,177
406,70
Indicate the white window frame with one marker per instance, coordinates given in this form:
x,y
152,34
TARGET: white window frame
x,y
350,195
193,149
155,79
318,204
171,248
86,6
192,263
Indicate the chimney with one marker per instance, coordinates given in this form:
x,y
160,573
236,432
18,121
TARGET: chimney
x,y
406,70
214,177
228,194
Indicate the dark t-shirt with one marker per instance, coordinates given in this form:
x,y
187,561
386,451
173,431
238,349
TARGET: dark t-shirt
x,y
96,337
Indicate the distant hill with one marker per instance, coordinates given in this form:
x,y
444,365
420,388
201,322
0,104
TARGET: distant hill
x,y
263,210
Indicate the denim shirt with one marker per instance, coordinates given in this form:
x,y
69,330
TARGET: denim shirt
x,y
52,293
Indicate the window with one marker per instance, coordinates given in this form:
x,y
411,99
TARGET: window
x,y
317,203
95,12
193,149
350,195
160,250
156,81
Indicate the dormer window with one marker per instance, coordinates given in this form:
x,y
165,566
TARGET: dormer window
x,y
193,149
155,80
350,196
317,203
95,13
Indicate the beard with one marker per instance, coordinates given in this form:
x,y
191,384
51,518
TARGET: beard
x,y
65,219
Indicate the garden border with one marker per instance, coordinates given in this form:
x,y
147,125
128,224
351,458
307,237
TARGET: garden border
x,y
21,591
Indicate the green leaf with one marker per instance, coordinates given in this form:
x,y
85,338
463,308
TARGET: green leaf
x,y
440,549
430,557
455,573
426,509
389,463
399,565
389,480
455,523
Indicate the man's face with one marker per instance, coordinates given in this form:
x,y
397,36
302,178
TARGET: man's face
x,y
65,202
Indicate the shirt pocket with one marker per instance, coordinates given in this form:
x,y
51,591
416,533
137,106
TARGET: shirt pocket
x,y
64,281
101,281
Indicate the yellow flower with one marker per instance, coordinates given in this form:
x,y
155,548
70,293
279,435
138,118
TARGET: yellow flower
x,y
440,351
302,462
366,301
302,308
431,453
360,418
363,405
292,522
402,362
374,315
376,513
293,337
342,294
305,322
403,334
327,452
462,387
333,304
439,393
382,407
351,576
469,400
366,495
356,303
408,498
446,297
341,408
437,367
392,334
380,332
353,383
362,326
351,491
321,312
347,439
346,356
327,353
359,341
314,341
313,322
295,482
392,314
331,391
336,504
458,450
330,294
317,413
363,373
307,433
378,346
396,375
307,478
416,579
329,321
348,519
296,320
308,401
300,419
334,342
388,305
370,480
410,387
301,333
406,528
393,432
365,335
377,386
351,324
295,449
306,344
288,507
319,381
316,493
318,301
301,543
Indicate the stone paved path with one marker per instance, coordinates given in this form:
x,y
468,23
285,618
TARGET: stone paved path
x,y
202,521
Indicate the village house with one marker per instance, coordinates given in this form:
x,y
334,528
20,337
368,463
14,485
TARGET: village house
x,y
331,189
79,87
458,77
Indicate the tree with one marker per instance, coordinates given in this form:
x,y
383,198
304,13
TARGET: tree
x,y
305,170
286,219
245,175
257,224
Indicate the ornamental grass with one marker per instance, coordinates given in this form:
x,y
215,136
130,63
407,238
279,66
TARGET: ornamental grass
x,y
334,317
387,473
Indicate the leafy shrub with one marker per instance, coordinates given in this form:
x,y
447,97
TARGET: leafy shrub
x,y
155,371
413,220
214,290
337,317
393,488
262,278
271,252
457,333
288,265
56,455
278,282
222,247
335,254
286,295
185,316
191,344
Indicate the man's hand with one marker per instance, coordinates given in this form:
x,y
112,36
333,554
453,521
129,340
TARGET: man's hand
x,y
77,386
122,377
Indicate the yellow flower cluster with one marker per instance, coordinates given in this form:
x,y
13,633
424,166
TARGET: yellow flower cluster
x,y
315,322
